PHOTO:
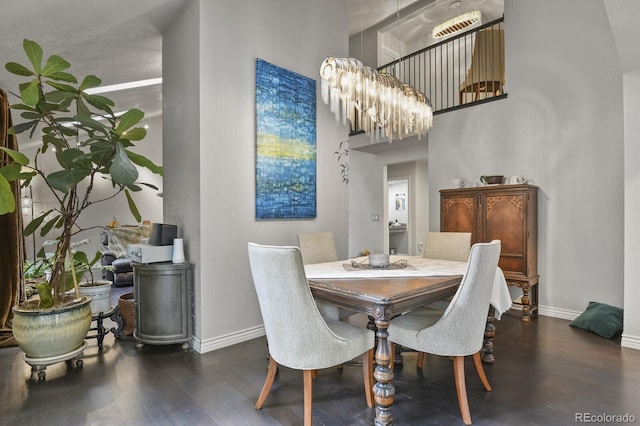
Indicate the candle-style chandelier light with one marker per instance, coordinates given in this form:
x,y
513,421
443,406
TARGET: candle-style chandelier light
x,y
376,103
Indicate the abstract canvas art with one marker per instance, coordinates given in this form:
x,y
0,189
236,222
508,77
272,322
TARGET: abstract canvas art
x,y
285,143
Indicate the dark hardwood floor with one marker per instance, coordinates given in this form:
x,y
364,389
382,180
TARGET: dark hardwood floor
x,y
545,373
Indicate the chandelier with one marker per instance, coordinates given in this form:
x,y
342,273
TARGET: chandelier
x,y
373,102
456,24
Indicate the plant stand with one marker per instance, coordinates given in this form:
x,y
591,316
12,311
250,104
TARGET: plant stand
x,y
39,365
100,329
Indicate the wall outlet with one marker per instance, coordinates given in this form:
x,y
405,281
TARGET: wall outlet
x,y
420,247
375,218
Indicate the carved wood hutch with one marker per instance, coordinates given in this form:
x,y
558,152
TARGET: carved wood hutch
x,y
508,213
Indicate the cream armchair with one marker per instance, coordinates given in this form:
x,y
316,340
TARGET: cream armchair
x,y
299,337
459,331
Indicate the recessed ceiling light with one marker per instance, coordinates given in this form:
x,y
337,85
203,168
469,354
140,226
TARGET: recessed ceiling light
x,y
124,86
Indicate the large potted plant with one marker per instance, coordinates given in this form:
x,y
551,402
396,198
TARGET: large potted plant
x,y
90,142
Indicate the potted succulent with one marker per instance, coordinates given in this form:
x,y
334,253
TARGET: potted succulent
x,y
90,142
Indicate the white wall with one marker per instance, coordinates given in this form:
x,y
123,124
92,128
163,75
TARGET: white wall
x,y
181,114
622,16
223,40
631,333
561,125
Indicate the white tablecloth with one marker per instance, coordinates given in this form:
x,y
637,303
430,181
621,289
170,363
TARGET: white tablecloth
x,y
417,266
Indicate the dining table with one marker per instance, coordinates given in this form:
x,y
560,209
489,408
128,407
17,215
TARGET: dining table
x,y
382,293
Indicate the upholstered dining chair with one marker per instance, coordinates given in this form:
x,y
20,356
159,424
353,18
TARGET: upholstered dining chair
x,y
320,247
317,247
299,337
453,246
448,246
459,331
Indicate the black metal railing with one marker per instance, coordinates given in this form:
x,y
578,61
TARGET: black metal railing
x,y
458,72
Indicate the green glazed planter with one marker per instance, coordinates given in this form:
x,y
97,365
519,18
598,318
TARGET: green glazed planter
x,y
52,332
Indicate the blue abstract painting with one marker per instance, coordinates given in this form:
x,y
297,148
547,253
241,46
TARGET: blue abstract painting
x,y
285,143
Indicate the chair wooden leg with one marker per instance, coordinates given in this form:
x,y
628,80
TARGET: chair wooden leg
x,y
367,371
308,392
477,362
420,360
271,375
461,389
314,374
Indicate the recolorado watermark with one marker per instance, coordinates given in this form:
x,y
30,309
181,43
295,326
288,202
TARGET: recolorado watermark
x,y
602,418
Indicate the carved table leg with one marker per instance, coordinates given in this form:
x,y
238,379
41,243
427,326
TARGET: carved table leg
x,y
383,389
371,325
489,334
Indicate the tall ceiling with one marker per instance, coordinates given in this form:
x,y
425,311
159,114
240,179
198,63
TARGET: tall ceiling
x,y
120,40
412,20
117,40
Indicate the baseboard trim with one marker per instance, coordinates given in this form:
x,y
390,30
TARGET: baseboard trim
x,y
549,311
225,340
219,342
631,342
567,314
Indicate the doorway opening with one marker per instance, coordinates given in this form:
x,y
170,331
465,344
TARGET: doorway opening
x,y
406,194
398,215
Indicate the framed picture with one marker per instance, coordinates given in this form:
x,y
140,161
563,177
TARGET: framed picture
x,y
285,143
401,202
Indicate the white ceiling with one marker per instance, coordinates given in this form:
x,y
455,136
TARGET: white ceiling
x,y
417,17
117,40
120,40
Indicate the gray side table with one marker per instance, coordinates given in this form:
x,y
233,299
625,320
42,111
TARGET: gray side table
x,y
163,298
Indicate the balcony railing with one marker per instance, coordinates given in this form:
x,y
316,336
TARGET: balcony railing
x,y
458,72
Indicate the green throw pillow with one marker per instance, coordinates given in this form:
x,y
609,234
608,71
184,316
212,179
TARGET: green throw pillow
x,y
600,318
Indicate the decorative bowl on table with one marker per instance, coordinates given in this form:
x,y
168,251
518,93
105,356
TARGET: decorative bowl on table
x,y
378,260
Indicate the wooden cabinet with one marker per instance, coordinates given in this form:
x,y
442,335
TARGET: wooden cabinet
x,y
508,213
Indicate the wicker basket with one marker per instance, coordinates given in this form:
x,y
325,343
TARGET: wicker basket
x,y
127,311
